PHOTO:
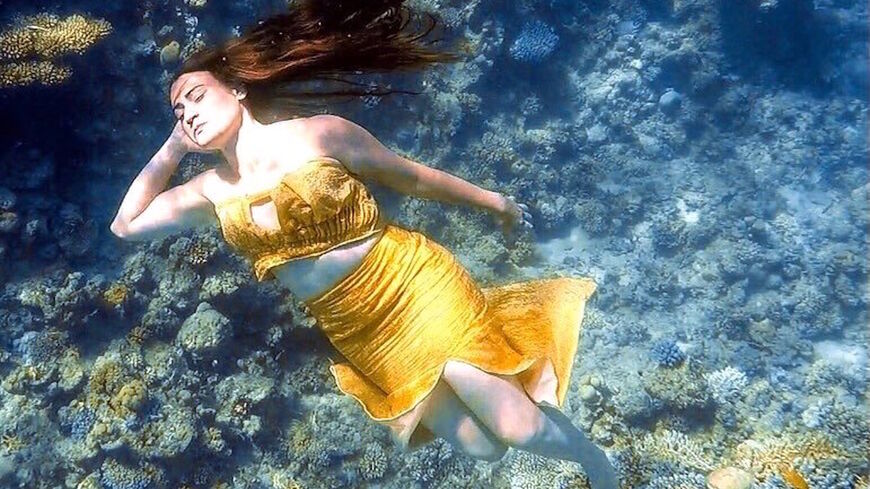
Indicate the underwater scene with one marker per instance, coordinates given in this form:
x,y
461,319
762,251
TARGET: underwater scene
x,y
660,224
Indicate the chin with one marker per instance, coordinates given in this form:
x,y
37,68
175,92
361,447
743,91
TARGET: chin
x,y
215,140
206,140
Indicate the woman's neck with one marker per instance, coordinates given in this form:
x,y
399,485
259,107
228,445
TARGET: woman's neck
x,y
241,150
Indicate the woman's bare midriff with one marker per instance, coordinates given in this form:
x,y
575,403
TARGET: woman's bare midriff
x,y
310,277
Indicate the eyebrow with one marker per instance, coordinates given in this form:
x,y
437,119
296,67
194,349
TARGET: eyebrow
x,y
179,104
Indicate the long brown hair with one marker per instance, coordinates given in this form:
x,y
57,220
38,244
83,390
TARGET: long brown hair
x,y
321,41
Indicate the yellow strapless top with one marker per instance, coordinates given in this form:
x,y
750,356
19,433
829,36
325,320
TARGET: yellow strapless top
x,y
320,206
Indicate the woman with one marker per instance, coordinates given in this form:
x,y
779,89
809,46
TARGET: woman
x,y
429,352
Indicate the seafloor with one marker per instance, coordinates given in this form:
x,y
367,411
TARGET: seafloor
x,y
704,160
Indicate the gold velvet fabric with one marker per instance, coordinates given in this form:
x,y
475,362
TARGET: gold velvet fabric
x,y
410,306
320,206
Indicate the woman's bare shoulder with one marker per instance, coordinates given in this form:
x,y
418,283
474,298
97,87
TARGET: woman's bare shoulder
x,y
323,126
210,184
323,134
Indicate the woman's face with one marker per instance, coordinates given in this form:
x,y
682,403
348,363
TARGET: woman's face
x,y
209,111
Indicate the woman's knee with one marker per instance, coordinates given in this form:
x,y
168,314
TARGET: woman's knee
x,y
447,417
499,401
492,454
476,441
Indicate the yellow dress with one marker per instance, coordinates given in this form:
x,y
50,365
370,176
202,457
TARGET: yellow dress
x,y
410,306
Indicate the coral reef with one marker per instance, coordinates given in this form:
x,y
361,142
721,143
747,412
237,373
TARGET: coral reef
x,y
705,165
45,36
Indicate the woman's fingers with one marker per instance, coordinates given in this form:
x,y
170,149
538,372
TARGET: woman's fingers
x,y
523,218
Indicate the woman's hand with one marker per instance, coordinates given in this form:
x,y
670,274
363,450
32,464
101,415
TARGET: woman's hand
x,y
182,144
513,214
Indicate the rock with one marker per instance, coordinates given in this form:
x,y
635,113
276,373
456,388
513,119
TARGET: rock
x,y
729,478
7,199
670,101
588,394
205,332
169,54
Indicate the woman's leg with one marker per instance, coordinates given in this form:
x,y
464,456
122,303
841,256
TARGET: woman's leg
x,y
501,403
447,417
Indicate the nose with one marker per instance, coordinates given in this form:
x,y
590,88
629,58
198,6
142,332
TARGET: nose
x,y
190,120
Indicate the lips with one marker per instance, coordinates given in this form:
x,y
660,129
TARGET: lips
x,y
198,127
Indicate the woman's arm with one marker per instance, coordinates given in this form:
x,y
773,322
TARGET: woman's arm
x,y
365,156
147,212
151,181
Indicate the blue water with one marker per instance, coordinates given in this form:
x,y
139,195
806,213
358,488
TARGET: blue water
x,y
705,161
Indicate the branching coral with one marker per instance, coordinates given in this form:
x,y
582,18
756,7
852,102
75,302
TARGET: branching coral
x,y
45,37
30,72
781,455
675,447
726,385
49,36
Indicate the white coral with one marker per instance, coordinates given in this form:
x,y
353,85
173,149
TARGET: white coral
x,y
673,446
726,385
